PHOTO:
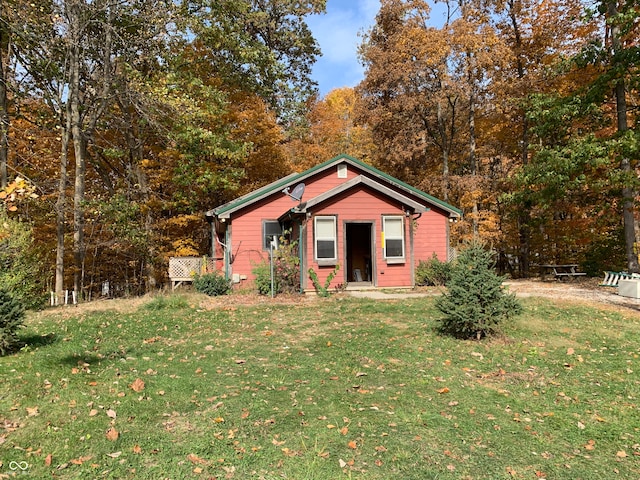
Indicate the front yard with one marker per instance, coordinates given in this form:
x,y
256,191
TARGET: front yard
x,y
330,388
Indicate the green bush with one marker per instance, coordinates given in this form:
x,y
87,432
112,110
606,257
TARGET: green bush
x,y
212,284
286,269
262,272
20,266
433,272
475,304
11,318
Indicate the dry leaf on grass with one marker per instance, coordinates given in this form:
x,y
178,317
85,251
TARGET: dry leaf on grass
x,y
137,385
112,434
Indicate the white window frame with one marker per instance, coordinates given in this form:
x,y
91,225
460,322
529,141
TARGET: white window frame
x,y
265,246
389,236
334,238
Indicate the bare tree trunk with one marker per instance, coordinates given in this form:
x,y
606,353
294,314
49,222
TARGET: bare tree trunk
x,y
4,104
60,212
628,192
79,145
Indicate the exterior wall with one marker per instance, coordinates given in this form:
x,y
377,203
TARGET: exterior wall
x,y
431,236
359,204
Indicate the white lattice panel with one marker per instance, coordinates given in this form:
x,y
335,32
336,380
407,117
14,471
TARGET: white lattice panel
x,y
184,268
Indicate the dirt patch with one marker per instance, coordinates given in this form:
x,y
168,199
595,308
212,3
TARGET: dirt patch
x,y
583,290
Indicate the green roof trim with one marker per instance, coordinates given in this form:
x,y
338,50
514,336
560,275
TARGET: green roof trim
x,y
225,210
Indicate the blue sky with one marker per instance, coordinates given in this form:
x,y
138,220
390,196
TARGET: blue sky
x,y
337,33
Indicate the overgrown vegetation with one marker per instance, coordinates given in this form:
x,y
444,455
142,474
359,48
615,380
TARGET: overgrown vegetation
x,y
11,319
286,268
322,289
337,388
475,304
212,284
433,272
20,267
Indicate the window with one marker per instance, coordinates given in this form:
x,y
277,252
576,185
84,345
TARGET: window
x,y
270,228
325,240
393,229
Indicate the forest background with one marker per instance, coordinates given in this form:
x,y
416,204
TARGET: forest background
x,y
123,121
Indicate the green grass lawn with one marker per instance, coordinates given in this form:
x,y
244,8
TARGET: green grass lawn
x,y
329,389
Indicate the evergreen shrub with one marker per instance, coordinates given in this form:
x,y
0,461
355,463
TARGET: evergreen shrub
x,y
433,272
212,284
11,319
475,304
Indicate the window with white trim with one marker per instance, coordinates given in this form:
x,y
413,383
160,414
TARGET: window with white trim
x,y
325,240
270,229
393,228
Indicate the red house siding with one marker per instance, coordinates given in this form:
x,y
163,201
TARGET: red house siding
x,y
359,211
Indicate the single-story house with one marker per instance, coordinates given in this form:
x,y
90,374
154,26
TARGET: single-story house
x,y
343,213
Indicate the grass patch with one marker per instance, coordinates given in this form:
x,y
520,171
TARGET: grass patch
x,y
337,388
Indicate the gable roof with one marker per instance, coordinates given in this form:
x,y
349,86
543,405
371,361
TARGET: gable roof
x,y
225,210
360,180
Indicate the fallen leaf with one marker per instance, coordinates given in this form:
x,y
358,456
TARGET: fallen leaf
x,y
114,454
193,458
344,430
581,426
137,449
342,463
32,412
352,444
112,434
47,460
621,454
93,412
570,351
137,385
443,390
591,444
197,470
80,460
111,413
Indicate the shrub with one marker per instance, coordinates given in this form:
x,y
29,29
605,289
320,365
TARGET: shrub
x,y
19,263
212,284
433,272
11,318
262,272
475,304
286,269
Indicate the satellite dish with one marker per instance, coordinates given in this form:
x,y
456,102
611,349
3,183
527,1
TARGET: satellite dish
x,y
296,194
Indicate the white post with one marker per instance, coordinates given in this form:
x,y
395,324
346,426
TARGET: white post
x,y
66,297
75,297
53,299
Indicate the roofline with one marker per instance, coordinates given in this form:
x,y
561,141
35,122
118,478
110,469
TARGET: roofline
x,y
361,179
225,210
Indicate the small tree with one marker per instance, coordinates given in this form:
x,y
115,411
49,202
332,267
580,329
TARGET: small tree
x,y
476,303
11,318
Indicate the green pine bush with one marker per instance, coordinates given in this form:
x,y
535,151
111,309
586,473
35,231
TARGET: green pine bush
x,y
11,319
212,284
475,304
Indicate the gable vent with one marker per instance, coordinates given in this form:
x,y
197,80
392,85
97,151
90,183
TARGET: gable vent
x,y
342,170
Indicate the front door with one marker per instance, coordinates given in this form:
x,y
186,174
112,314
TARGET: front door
x,y
359,253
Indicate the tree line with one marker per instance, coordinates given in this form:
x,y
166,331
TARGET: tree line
x,y
122,121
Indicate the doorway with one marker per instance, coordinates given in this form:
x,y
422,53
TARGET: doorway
x,y
359,249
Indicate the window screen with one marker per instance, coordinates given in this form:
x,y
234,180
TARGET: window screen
x,y
393,237
325,238
270,228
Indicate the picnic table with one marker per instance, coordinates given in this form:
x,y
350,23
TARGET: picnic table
x,y
569,270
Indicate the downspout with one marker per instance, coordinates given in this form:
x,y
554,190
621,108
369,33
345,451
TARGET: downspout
x,y
301,255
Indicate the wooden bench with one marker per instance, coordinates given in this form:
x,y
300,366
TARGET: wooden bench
x,y
563,271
